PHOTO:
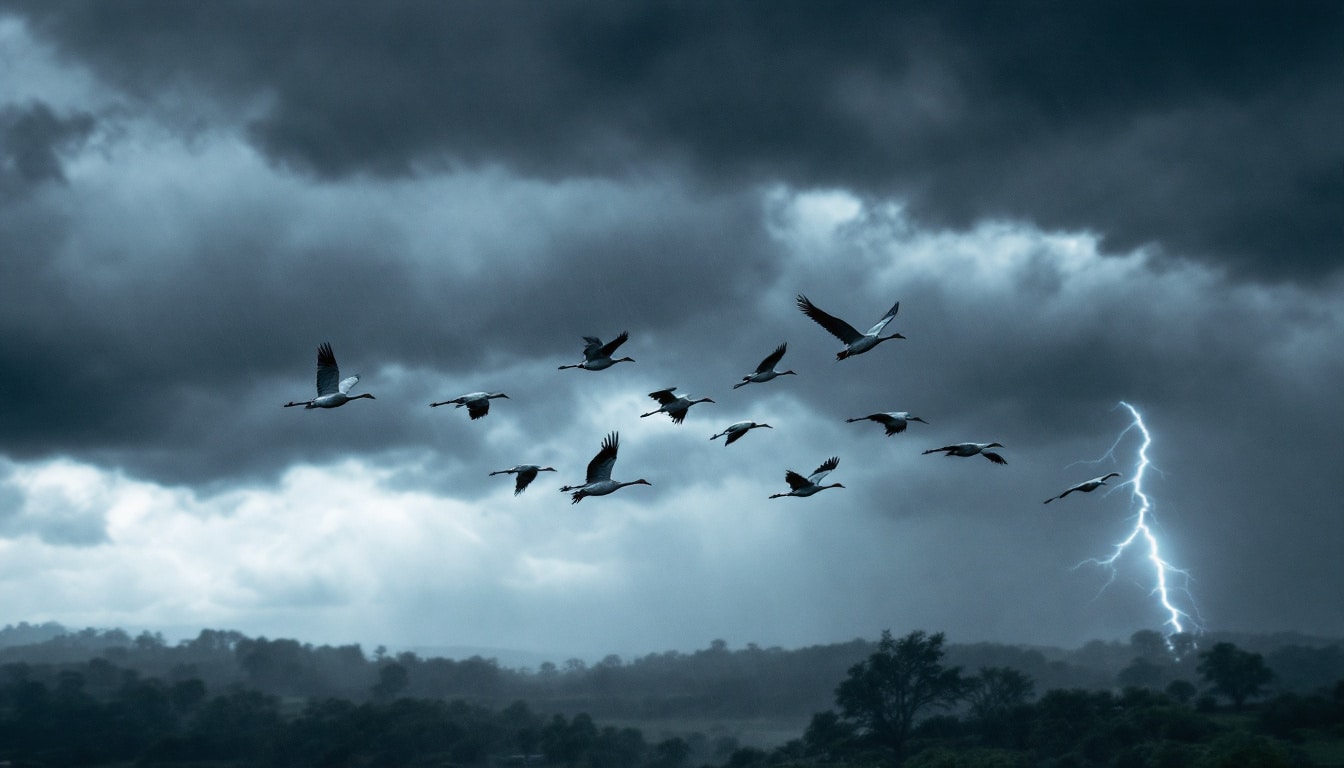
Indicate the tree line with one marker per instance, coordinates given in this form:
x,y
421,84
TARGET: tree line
x,y
223,699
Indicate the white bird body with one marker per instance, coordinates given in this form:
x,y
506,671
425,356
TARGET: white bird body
x,y
734,431
894,421
855,343
971,449
598,356
526,474
477,403
598,482
675,406
766,370
332,390
1087,486
806,486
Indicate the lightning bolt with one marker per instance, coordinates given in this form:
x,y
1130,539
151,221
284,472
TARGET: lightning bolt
x,y
1164,572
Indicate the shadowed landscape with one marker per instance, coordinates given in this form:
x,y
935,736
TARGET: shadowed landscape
x,y
103,698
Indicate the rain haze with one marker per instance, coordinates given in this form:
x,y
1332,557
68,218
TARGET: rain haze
x,y
1075,205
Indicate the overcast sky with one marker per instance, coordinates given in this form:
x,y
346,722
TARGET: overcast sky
x,y
1075,204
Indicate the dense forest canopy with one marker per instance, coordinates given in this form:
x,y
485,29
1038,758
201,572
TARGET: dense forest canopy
x,y
224,696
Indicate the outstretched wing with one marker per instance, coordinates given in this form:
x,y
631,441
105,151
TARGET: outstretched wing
x,y
795,480
821,472
346,384
893,424
664,396
610,347
477,408
876,329
525,476
834,325
735,430
1066,493
600,467
592,347
769,362
994,457
328,374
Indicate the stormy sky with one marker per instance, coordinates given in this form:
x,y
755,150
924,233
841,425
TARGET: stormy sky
x,y
1075,204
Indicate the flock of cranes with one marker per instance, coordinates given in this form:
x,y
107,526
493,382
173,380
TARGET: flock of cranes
x,y
333,392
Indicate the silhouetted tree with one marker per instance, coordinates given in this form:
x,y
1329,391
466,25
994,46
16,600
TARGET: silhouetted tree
x,y
565,742
392,680
998,704
996,690
1234,673
827,736
903,678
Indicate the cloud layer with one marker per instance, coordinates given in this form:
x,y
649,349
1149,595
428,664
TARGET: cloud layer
x,y
1073,207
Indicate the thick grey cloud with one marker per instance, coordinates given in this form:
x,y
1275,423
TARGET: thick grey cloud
x,y
123,338
454,196
32,138
1211,134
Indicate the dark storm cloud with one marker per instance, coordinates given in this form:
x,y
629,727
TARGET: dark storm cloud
x,y
1208,131
32,138
123,340
453,195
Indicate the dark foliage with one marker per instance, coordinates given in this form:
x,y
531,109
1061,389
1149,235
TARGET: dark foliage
x,y
1234,673
225,700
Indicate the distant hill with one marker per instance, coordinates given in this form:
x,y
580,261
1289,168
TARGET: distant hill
x,y
711,682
